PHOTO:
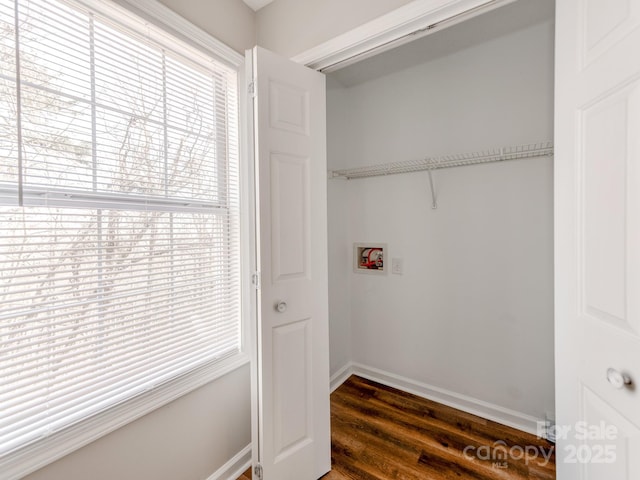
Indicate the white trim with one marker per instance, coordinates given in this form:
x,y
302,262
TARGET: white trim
x,y
234,467
249,159
474,406
407,23
340,376
247,215
171,22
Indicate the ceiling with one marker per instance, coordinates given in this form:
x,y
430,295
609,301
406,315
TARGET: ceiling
x,y
483,28
257,4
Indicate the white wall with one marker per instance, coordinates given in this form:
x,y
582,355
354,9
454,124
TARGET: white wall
x,y
187,439
289,27
340,267
195,435
230,21
473,311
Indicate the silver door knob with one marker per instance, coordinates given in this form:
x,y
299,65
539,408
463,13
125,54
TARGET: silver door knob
x,y
617,378
281,307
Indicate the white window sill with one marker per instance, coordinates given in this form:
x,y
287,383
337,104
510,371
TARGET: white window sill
x,y
47,450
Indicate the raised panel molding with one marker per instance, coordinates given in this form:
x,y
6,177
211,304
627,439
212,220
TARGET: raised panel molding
x,y
598,414
605,23
290,216
607,179
292,404
289,108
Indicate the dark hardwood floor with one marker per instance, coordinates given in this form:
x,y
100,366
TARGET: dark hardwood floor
x,y
246,475
380,433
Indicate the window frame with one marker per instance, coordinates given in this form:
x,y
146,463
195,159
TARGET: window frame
x,y
38,454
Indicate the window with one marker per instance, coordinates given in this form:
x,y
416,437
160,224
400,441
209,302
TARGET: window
x,y
119,213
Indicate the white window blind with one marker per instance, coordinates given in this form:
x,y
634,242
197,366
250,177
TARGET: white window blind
x,y
119,213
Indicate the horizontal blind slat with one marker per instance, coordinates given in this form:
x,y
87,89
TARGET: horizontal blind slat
x,y
121,270
181,345
99,304
110,396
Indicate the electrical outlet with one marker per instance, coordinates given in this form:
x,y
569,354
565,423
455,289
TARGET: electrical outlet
x,y
396,266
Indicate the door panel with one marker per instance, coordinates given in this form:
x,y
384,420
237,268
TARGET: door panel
x,y
291,428
598,238
606,154
290,216
292,389
289,108
620,447
605,24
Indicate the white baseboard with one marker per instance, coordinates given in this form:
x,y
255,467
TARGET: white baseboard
x,y
527,423
234,467
496,413
340,376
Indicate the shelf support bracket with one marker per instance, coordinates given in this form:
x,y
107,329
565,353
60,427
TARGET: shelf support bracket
x,y
434,202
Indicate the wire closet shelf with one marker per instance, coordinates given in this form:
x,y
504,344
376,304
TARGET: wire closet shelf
x,y
532,150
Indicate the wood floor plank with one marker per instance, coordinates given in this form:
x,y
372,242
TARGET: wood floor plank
x,y
385,434
407,447
417,407
380,433
246,475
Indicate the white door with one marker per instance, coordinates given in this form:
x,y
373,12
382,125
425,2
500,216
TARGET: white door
x,y
598,239
291,425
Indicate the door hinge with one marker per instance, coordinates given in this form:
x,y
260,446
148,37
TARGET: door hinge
x,y
257,471
251,90
255,280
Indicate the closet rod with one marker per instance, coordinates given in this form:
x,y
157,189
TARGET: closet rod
x,y
532,150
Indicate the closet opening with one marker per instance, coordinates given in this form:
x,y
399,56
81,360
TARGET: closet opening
x,y
461,120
